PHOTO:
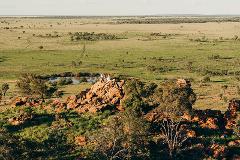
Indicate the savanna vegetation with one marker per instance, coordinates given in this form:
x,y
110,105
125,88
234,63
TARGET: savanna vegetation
x,y
170,88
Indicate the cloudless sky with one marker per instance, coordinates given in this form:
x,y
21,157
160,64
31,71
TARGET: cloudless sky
x,y
118,7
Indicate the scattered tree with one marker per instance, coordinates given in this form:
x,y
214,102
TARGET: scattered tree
x,y
125,137
33,85
173,135
5,88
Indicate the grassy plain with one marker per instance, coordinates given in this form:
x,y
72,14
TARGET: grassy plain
x,y
139,54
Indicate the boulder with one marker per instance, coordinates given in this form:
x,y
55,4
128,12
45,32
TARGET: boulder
x,y
182,83
232,115
191,134
211,123
20,101
235,143
218,151
80,140
103,93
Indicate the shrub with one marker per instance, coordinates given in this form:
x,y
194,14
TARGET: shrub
x,y
15,147
83,79
206,79
0,97
190,66
236,129
64,81
225,99
214,57
5,88
124,137
235,37
238,90
58,93
146,97
86,36
74,64
32,85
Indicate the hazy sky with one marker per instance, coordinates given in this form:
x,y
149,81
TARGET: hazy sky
x,y
118,7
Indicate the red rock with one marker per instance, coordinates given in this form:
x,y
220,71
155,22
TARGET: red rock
x,y
218,151
72,105
212,123
181,83
235,143
92,110
195,119
191,134
115,100
187,117
209,125
14,121
89,95
59,110
81,140
120,108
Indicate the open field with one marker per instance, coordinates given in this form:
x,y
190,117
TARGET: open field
x,y
187,50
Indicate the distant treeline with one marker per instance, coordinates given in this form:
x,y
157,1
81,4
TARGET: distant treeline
x,y
174,20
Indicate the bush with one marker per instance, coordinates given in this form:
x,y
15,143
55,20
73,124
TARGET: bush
x,y
33,86
124,137
15,147
64,81
235,37
58,93
206,79
5,88
86,36
83,79
167,97
236,129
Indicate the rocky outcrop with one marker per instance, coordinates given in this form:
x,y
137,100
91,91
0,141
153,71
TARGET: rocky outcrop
x,y
103,94
218,151
22,118
232,115
156,101
116,94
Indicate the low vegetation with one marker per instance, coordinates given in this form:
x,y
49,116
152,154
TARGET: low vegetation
x,y
32,85
86,36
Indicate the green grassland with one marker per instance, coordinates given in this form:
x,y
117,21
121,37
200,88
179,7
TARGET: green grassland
x,y
188,50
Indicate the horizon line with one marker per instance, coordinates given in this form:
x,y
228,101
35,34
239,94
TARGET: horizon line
x,y
137,15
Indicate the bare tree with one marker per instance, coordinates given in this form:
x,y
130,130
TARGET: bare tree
x,y
173,135
84,48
